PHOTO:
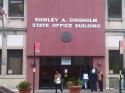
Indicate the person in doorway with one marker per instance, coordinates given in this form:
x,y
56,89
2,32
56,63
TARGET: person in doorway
x,y
93,80
100,81
57,80
85,80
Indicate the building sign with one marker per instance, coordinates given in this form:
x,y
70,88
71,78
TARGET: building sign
x,y
83,20
66,61
37,47
65,23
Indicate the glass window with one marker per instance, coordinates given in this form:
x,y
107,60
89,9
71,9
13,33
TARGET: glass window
x,y
50,60
115,61
0,60
114,8
16,8
1,3
1,8
14,61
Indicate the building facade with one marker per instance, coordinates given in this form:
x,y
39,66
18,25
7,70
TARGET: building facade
x,y
13,42
71,41
114,32
66,40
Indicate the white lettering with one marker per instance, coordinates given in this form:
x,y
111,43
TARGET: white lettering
x,y
33,25
62,25
83,20
46,19
87,25
45,22
63,20
40,25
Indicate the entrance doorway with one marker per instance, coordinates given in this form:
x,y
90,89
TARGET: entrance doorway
x,y
74,66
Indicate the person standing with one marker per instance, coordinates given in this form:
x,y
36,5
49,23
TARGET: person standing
x,y
93,80
85,80
100,81
57,80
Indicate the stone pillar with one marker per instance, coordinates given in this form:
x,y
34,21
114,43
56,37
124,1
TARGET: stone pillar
x,y
4,49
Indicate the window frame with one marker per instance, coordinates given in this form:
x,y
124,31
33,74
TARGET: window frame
x,y
2,3
20,54
119,61
114,18
16,17
0,61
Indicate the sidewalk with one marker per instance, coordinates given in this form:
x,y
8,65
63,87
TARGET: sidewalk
x,y
83,91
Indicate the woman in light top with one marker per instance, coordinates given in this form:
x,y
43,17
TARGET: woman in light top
x,y
85,80
57,80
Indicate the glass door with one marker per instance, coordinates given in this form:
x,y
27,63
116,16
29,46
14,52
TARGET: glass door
x,y
49,65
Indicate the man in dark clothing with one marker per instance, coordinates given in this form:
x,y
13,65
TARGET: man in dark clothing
x,y
93,80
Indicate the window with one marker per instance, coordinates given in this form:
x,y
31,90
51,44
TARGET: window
x,y
1,7
0,60
115,61
16,8
1,3
14,61
114,8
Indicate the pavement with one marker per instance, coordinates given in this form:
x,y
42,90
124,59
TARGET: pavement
x,y
5,90
82,91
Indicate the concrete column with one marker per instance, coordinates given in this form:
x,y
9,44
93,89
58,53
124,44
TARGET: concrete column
x,y
124,50
123,14
4,48
4,41
24,55
123,17
107,68
4,55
